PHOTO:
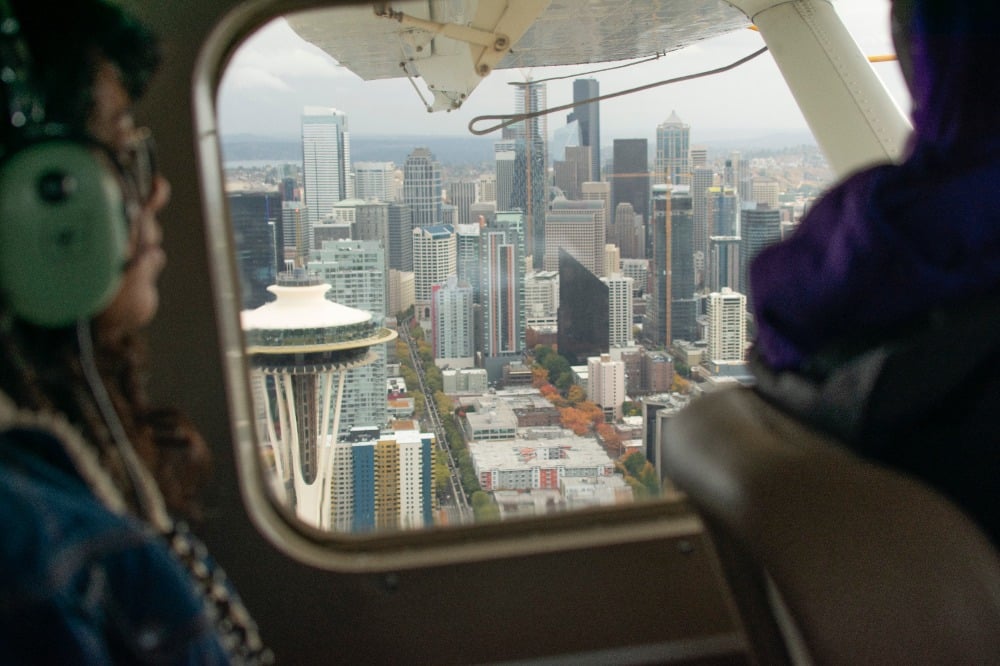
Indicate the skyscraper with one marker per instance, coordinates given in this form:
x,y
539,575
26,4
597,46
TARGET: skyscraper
x,y
683,305
296,235
400,247
253,216
541,299
672,309
461,195
701,182
356,273
765,191
727,327
374,181
502,285
619,310
572,172
724,263
606,385
434,259
486,187
371,221
326,159
422,187
510,173
588,116
583,311
628,232
630,176
576,227
673,139
760,226
723,212
383,481
452,324
468,258
533,133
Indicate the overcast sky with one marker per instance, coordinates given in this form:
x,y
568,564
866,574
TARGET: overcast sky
x,y
276,73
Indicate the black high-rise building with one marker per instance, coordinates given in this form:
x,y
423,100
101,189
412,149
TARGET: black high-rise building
x,y
683,304
253,216
630,178
583,311
589,118
673,309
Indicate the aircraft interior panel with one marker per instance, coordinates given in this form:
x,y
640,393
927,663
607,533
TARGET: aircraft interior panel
x,y
634,585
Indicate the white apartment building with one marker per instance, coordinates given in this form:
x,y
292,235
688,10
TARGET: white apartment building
x,y
434,259
620,302
606,384
727,328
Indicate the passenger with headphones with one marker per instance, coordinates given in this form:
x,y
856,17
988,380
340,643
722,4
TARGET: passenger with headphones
x,y
94,567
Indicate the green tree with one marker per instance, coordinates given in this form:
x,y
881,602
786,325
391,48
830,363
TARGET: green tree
x,y
480,499
441,474
419,404
542,352
565,380
648,478
410,377
630,408
443,403
634,462
433,377
557,366
639,491
425,354
487,513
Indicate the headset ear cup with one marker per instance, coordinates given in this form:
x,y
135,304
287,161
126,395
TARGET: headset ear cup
x,y
63,233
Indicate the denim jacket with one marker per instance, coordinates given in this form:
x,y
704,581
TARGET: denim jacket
x,y
81,584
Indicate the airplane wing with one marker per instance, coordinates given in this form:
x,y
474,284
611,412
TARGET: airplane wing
x,y
453,44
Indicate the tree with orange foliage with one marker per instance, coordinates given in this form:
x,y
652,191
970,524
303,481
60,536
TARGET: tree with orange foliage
x,y
576,395
575,420
539,377
611,438
548,390
593,412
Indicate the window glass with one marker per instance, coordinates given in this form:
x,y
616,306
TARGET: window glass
x,y
445,328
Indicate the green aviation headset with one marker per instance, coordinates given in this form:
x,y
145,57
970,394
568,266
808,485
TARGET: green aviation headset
x,y
63,227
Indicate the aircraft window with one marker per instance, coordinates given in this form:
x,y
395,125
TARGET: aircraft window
x,y
404,286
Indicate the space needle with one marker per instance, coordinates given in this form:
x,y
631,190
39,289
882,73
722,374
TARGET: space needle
x,y
300,347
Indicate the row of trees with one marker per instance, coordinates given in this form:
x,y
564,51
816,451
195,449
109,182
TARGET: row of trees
x,y
445,409
576,413
581,415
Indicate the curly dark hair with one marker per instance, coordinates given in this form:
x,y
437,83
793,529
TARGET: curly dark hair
x,y
65,42
40,368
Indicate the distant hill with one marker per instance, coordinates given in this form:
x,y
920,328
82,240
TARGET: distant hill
x,y
721,141
473,150
449,150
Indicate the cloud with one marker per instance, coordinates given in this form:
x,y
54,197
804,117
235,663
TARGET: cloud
x,y
275,58
276,73
246,77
